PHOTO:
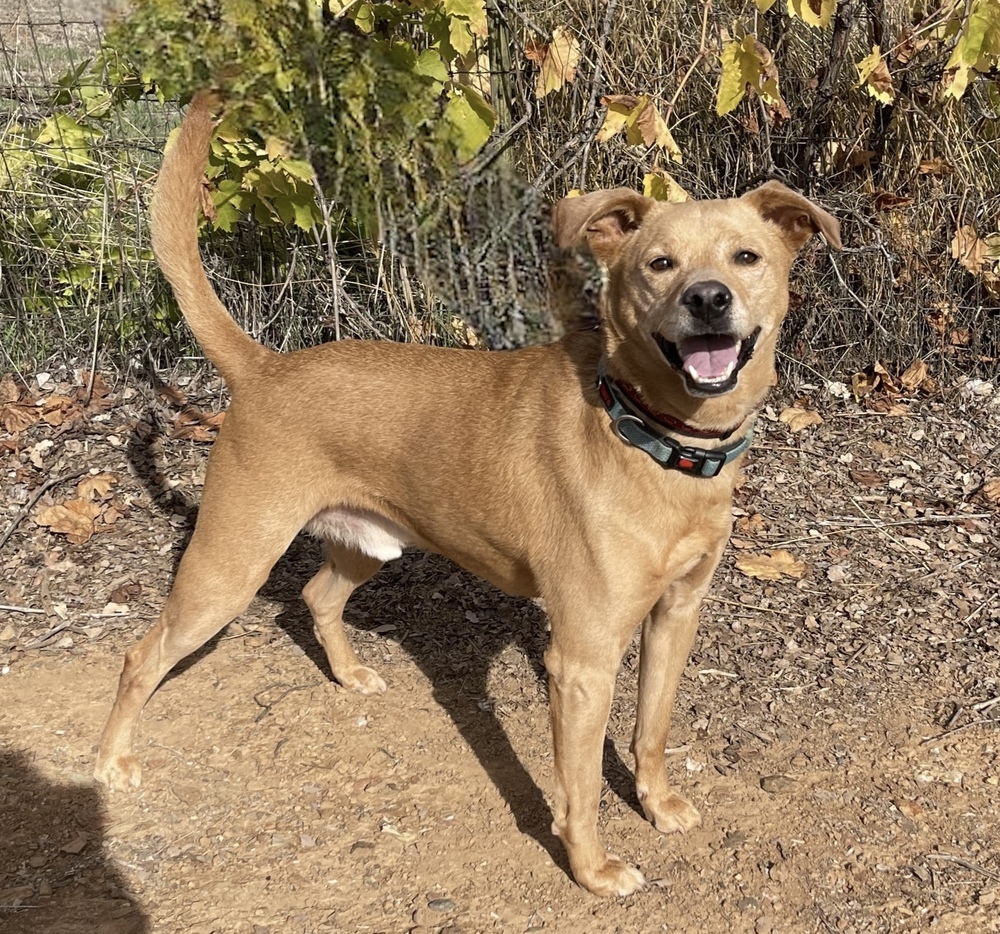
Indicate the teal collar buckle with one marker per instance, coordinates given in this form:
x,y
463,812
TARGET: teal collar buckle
x,y
668,453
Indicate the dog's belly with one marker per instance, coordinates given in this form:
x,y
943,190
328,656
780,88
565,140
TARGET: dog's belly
x,y
361,529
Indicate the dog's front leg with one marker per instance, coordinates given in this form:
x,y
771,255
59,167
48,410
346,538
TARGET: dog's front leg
x,y
667,636
582,661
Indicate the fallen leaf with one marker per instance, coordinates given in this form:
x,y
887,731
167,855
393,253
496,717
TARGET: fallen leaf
x,y
866,477
193,424
751,525
936,166
171,395
991,490
797,419
772,567
96,488
836,573
968,249
914,375
9,390
17,416
917,543
74,519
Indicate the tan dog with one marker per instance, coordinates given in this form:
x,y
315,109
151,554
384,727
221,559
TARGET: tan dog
x,y
513,464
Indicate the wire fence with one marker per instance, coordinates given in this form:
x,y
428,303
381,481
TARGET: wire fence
x,y
78,279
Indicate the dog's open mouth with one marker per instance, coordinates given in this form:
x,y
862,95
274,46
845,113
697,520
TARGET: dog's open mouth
x,y
709,363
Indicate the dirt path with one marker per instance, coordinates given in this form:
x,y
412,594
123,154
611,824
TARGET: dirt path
x,y
827,726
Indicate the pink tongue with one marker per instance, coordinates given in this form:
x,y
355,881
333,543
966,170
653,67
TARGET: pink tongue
x,y
709,355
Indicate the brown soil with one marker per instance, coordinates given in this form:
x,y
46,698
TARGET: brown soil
x,y
836,731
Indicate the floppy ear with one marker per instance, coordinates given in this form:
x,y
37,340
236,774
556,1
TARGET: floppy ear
x,y
604,218
797,216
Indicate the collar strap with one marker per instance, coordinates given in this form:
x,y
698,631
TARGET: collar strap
x,y
661,419
668,453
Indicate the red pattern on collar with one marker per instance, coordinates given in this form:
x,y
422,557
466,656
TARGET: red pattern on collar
x,y
668,421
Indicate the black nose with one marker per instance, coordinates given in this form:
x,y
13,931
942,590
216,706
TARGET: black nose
x,y
707,301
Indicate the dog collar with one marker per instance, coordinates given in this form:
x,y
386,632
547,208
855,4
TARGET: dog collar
x,y
668,453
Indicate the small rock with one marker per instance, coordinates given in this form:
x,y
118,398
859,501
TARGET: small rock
x,y
425,919
38,860
44,888
8,634
281,839
75,845
441,904
764,925
66,642
777,784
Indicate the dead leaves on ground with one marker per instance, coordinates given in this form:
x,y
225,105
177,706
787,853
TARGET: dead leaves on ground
x,y
772,567
93,509
885,393
798,418
20,409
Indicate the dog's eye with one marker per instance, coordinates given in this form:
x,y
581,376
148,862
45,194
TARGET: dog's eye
x,y
746,257
661,264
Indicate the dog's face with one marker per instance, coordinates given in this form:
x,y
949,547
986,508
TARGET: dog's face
x,y
695,287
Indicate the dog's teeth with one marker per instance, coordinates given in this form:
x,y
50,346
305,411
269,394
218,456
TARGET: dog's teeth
x,y
692,372
729,369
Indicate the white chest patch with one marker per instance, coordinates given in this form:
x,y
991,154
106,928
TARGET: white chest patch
x,y
365,531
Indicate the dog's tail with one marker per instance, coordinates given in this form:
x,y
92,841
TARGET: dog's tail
x,y
174,227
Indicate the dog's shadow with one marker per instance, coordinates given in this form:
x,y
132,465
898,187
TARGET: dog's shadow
x,y
429,600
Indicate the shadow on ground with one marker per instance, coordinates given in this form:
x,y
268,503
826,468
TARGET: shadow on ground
x,y
55,875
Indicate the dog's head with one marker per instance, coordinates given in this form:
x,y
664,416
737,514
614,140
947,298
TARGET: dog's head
x,y
695,288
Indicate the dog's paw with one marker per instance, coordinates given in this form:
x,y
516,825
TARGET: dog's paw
x,y
614,878
673,815
119,773
361,680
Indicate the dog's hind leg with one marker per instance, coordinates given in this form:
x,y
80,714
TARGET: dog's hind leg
x,y
229,557
326,594
667,636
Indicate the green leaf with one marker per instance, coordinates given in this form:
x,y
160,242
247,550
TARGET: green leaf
x,y
470,121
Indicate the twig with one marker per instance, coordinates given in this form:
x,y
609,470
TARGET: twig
x,y
39,493
48,637
21,609
843,526
986,704
702,49
958,729
289,689
965,864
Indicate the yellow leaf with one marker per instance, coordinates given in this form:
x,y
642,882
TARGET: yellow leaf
x,y
663,187
991,490
813,12
873,73
796,419
616,117
764,5
559,61
748,62
772,567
